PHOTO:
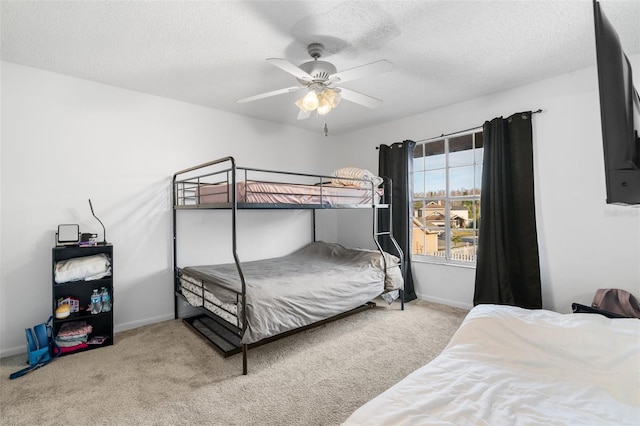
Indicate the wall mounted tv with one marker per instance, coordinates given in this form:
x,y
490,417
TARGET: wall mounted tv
x,y
619,114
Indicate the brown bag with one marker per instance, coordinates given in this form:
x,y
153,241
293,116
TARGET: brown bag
x,y
618,301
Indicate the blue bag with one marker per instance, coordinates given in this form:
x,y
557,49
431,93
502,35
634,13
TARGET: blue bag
x,y
41,347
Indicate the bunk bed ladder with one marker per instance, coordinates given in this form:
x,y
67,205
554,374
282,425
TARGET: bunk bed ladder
x,y
388,233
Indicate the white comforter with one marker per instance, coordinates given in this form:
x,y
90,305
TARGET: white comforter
x,y
511,366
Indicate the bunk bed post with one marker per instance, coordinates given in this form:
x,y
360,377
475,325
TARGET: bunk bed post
x,y
234,236
174,198
244,358
313,219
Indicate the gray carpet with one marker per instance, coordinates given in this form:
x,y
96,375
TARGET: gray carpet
x,y
164,374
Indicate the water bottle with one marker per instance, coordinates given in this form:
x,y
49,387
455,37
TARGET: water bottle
x,y
96,302
106,300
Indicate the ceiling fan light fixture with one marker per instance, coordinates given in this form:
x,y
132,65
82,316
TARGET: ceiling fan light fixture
x,y
324,106
332,96
310,100
300,105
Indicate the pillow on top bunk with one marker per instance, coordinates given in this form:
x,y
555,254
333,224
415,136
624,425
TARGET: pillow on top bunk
x,y
355,173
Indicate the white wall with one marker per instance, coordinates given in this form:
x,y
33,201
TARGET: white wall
x,y
65,140
584,243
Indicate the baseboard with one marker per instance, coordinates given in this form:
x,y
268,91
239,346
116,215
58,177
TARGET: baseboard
x,y
14,351
453,303
135,324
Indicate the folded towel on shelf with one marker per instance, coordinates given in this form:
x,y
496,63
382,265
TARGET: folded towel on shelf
x,y
66,350
68,343
82,268
74,329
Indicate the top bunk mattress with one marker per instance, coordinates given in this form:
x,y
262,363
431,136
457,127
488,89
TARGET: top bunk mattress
x,y
260,192
213,184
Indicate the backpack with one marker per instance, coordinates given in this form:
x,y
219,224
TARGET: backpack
x,y
41,347
617,301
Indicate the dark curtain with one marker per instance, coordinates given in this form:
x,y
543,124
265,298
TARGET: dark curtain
x,y
396,163
508,266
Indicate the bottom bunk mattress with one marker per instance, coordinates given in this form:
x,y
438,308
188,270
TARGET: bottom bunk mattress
x,y
312,284
511,366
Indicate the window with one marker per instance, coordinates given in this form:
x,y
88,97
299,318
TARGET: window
x,y
447,177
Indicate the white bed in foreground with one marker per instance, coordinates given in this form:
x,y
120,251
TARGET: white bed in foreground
x,y
512,366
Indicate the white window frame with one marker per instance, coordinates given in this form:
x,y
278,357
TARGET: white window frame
x,y
446,199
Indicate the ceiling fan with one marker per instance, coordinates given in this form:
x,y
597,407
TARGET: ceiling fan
x,y
319,79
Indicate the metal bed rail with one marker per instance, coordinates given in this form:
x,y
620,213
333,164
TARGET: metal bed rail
x,y
219,181
200,293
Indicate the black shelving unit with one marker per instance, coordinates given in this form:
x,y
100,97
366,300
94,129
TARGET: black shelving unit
x,y
102,323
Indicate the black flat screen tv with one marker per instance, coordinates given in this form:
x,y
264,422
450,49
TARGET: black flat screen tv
x,y
619,114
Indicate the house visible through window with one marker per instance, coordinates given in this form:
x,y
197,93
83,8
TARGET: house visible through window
x,y
447,177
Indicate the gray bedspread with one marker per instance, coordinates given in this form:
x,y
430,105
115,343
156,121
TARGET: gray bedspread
x,y
314,283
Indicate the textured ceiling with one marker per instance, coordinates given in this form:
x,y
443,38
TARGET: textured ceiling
x,y
212,53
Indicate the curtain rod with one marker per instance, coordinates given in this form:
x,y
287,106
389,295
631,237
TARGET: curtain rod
x,y
462,131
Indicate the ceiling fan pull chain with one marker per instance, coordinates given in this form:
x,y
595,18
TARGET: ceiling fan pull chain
x,y
326,129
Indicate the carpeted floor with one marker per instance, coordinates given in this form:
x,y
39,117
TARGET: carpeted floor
x,y
164,374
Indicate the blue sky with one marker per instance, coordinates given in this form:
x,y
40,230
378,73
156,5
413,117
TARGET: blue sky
x,y
461,171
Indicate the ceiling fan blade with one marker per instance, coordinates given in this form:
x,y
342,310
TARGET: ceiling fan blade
x,y
362,71
287,66
268,94
359,98
303,115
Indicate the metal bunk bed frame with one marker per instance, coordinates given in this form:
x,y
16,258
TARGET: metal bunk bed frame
x,y
211,326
